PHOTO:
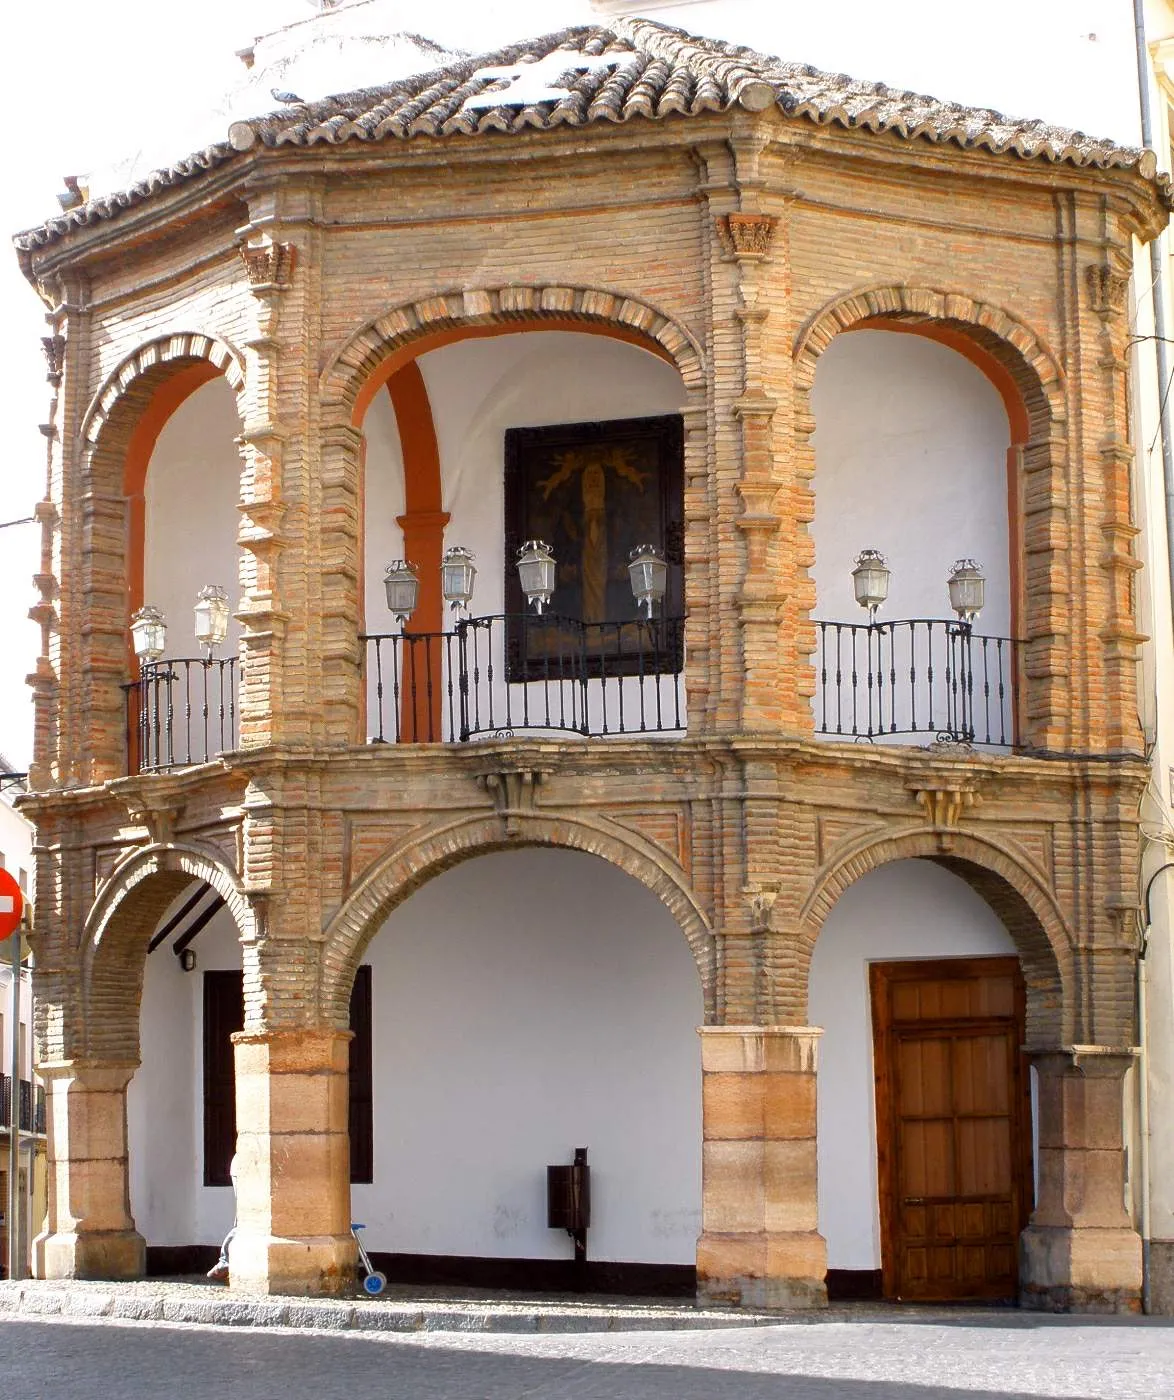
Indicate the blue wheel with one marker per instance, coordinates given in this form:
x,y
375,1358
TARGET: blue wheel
x,y
374,1284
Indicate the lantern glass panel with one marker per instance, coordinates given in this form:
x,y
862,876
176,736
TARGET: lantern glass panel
x,y
870,579
402,586
967,586
536,573
649,574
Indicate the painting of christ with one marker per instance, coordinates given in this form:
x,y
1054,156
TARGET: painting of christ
x,y
593,492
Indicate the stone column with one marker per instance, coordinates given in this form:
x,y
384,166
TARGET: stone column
x,y
1080,1252
760,1246
89,1231
293,1167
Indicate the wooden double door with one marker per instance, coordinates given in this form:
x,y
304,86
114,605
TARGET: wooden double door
x,y
953,1126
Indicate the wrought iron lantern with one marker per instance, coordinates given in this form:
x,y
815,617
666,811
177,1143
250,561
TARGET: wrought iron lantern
x,y
870,580
402,585
211,618
148,633
967,584
649,575
457,572
536,568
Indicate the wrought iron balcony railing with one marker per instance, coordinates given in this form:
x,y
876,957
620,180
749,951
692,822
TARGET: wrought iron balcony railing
x,y
181,712
915,677
31,1106
523,673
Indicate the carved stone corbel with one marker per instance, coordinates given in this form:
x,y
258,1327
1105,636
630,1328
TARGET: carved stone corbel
x,y
944,805
269,265
1107,289
761,900
514,792
746,235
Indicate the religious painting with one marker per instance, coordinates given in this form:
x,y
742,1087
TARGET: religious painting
x,y
593,492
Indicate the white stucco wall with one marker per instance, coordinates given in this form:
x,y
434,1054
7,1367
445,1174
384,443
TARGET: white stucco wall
x,y
478,389
525,1004
165,1105
192,490
909,909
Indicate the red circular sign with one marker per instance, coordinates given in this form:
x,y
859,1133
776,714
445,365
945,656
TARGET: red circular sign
x,y
11,905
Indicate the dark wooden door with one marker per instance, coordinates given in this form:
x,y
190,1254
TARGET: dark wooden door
x,y
953,1126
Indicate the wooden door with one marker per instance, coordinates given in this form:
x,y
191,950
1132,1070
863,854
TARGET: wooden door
x,y
953,1126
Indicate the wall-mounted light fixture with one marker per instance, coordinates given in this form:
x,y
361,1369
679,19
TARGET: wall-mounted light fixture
x,y
187,960
649,575
967,585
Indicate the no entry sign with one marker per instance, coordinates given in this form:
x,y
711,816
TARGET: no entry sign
x,y
11,905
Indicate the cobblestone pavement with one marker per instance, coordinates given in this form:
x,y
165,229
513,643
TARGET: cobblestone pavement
x,y
963,1356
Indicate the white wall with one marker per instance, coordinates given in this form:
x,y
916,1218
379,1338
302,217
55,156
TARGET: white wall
x,y
478,389
192,490
525,1004
909,909
165,1106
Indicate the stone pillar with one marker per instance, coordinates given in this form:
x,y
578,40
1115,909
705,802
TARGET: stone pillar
x,y
89,1232
1080,1252
293,1167
760,1246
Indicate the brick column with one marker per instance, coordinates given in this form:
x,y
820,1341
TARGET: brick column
x,y
293,1168
760,1246
89,1232
1080,1253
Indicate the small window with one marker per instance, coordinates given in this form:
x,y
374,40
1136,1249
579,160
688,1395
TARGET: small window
x,y
22,879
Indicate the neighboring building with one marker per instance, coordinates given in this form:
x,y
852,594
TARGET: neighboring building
x,y
16,839
611,288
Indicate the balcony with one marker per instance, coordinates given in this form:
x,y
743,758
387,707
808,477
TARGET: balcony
x,y
181,712
890,681
31,1105
516,674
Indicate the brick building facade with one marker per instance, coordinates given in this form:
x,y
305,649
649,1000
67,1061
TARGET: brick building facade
x,y
731,217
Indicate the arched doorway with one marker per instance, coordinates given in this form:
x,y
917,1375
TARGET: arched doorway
x,y
924,1132
523,1004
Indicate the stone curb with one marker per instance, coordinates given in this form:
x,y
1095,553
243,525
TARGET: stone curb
x,y
96,1303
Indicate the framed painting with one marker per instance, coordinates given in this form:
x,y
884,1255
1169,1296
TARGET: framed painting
x,y
593,492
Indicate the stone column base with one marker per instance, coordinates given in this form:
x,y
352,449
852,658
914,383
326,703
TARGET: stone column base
x,y
1088,1269
765,1272
94,1254
311,1267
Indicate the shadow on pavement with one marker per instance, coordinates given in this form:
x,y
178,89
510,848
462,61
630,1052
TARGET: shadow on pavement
x,y
68,1361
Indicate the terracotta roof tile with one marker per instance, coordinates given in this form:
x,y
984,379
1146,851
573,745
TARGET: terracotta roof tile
x,y
654,72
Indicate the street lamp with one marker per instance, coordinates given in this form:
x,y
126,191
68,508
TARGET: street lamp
x,y
870,580
967,585
536,570
402,585
649,575
148,632
457,572
211,618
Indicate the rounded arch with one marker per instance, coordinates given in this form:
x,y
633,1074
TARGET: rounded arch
x,y
154,361
119,926
1017,350
416,860
373,353
1018,896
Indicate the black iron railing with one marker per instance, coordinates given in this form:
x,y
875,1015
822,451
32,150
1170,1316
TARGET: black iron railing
x,y
915,677
522,673
31,1105
181,712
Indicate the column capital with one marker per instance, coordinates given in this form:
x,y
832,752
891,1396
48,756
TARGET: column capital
x,y
759,1049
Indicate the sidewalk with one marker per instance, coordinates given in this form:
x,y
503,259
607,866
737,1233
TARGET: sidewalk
x,y
400,1308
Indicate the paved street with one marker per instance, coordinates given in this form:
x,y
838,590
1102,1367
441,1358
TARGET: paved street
x,y
965,1358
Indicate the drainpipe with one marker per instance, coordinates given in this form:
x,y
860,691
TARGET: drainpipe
x,y
1162,356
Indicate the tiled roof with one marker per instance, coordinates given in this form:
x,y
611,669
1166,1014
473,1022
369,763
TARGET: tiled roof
x,y
634,68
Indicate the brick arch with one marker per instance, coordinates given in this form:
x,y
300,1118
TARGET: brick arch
x,y
377,349
1029,379
1028,909
106,548
175,350
421,857
118,929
